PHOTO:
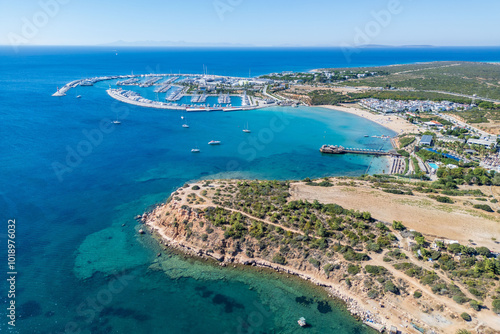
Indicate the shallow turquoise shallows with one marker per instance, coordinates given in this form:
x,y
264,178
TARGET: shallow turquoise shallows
x,y
74,182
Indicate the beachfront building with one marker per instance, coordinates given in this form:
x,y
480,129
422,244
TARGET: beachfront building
x,y
426,140
434,124
450,139
392,106
487,142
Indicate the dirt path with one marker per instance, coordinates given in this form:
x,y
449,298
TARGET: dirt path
x,y
395,307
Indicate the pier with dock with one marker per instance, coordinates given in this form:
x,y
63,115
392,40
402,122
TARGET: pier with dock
x,y
224,99
335,149
199,98
177,95
165,85
150,82
128,82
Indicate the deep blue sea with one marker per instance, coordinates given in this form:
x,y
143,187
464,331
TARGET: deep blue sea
x,y
73,184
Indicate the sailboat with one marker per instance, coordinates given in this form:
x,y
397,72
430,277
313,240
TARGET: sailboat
x,y
246,130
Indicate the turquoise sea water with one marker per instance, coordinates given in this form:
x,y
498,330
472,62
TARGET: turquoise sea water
x,y
74,184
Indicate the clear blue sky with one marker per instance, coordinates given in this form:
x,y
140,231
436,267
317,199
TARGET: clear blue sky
x,y
255,22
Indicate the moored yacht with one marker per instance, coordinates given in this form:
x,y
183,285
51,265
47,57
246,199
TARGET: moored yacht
x,y
246,130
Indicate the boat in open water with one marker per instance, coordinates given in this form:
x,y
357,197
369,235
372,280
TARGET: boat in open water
x,y
214,142
302,322
246,130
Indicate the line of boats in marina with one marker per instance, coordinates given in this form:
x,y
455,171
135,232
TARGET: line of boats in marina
x,y
166,85
224,99
132,97
176,95
128,82
199,98
213,108
245,100
150,82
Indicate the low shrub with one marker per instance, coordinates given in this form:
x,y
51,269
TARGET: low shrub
x,y
279,258
353,269
484,207
444,199
314,262
372,294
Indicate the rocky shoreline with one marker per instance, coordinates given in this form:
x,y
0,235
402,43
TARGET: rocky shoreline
x,y
352,305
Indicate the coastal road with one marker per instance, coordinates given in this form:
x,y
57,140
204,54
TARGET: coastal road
x,y
268,95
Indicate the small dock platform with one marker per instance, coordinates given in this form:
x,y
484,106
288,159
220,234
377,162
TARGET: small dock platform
x,y
335,149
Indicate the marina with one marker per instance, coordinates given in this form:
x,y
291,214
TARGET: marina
x,y
134,98
205,96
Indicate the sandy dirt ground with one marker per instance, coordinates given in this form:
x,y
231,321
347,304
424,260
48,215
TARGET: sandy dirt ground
x,y
414,211
455,222
392,122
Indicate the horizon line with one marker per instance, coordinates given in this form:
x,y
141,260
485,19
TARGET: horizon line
x,y
252,46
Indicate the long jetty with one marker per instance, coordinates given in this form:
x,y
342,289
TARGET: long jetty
x,y
335,149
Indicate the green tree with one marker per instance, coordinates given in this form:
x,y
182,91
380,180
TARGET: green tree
x,y
496,305
397,225
367,215
466,316
420,240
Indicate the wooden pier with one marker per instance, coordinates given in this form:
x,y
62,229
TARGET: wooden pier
x,y
334,149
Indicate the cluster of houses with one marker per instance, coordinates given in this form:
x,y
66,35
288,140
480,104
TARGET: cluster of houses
x,y
392,106
210,83
347,74
329,75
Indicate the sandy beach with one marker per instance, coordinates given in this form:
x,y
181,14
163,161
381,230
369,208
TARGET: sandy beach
x,y
392,122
